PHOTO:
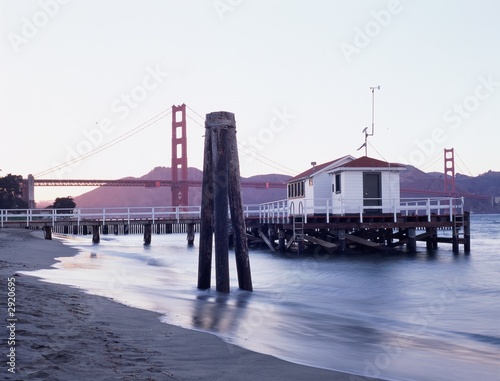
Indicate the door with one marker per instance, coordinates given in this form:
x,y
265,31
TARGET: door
x,y
372,192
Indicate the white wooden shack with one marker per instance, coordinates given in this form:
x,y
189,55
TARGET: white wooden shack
x,y
346,186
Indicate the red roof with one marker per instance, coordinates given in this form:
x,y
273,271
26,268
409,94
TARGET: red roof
x,y
311,171
368,162
362,162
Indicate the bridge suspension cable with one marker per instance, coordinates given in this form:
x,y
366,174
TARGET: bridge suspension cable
x,y
254,154
110,144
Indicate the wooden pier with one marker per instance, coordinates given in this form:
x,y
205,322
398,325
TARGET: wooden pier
x,y
276,225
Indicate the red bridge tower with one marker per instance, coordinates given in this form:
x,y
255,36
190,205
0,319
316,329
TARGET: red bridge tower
x,y
179,156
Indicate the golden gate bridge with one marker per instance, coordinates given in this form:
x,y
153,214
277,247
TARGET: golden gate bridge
x,y
180,184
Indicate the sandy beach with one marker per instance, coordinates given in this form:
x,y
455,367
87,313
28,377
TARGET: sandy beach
x,y
62,333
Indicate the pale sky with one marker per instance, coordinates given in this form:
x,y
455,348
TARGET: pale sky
x,y
76,75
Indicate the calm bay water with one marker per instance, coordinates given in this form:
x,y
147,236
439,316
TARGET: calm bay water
x,y
397,317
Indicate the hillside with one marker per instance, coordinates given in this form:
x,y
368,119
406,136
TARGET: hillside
x,y
413,178
141,196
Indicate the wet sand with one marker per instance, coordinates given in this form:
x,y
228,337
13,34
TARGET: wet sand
x,y
62,333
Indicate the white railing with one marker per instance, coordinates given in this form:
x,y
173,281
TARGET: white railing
x,y
271,212
102,215
279,211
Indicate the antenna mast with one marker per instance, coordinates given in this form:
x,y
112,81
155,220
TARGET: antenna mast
x,y
365,130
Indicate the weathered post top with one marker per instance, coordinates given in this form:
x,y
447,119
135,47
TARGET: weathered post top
x,y
220,119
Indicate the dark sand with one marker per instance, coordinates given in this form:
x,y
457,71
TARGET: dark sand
x,y
64,334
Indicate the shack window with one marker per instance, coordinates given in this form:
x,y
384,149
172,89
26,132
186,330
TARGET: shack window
x,y
296,189
338,187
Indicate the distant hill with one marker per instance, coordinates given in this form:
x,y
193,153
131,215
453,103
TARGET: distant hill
x,y
413,178
141,196
486,184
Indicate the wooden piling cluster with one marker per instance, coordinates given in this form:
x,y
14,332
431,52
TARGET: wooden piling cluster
x,y
377,233
221,186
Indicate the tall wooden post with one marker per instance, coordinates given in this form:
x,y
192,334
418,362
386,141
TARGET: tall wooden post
x,y
221,185
207,215
237,215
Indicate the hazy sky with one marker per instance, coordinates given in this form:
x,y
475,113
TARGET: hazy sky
x,y
78,76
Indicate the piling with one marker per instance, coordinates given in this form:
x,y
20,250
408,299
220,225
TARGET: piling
x,y
95,234
412,240
147,234
281,241
207,216
47,232
341,240
467,232
220,165
75,229
85,230
221,186
190,234
236,210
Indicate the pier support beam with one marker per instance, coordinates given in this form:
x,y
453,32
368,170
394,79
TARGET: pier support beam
x,y
85,230
47,232
221,185
190,234
147,234
455,241
75,229
341,238
412,240
115,229
281,241
467,232
95,234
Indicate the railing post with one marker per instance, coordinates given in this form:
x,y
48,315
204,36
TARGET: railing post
x,y
128,216
103,216
328,211
54,211
428,210
451,208
177,208
78,217
361,213
153,214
